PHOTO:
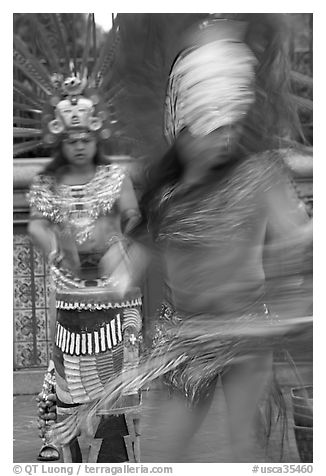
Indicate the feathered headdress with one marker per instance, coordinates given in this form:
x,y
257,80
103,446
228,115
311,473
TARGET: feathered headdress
x,y
211,83
61,93
151,44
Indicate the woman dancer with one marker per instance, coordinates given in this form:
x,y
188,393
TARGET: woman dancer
x,y
217,201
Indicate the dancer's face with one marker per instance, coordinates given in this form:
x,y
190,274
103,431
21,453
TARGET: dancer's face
x,y
211,149
79,149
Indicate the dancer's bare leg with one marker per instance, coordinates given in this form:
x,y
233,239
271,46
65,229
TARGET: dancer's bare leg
x,y
244,385
180,423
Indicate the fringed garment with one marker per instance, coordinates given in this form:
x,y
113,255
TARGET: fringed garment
x,y
210,353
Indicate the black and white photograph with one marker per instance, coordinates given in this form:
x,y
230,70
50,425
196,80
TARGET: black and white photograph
x,y
162,241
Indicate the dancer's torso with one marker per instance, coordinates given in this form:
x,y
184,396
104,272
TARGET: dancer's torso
x,y
220,280
213,244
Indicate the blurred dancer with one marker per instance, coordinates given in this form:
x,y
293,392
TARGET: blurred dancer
x,y
83,208
217,200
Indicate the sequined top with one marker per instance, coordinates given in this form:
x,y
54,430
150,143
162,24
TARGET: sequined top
x,y
224,209
77,207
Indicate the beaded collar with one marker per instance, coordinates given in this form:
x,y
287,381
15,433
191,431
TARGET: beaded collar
x,y
77,207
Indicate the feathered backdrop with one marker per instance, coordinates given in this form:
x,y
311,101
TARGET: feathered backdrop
x,y
54,39
131,71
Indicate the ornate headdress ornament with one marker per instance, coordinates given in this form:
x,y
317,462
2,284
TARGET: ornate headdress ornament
x,y
61,98
211,82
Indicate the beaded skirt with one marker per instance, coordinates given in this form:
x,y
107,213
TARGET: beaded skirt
x,y
97,337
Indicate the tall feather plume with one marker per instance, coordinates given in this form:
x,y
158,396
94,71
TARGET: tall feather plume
x,y
26,132
88,42
44,37
30,66
74,45
62,40
25,121
105,58
94,38
20,106
27,94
